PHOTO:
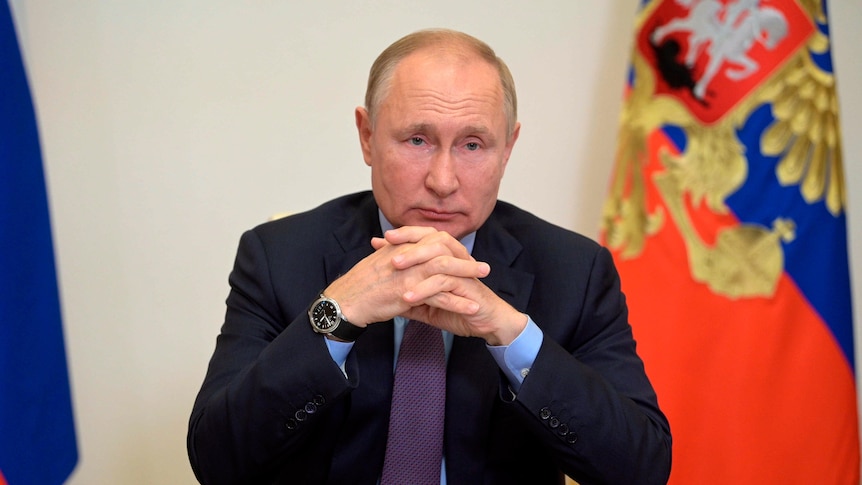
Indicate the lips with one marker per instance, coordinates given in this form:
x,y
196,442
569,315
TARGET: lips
x,y
435,215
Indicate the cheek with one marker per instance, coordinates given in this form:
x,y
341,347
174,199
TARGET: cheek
x,y
396,172
487,179
404,158
487,186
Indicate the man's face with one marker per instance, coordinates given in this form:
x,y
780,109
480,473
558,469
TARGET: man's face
x,y
439,144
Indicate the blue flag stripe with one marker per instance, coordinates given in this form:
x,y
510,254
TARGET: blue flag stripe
x,y
37,434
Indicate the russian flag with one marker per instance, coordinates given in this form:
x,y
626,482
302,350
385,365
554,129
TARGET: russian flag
x,y
726,216
37,434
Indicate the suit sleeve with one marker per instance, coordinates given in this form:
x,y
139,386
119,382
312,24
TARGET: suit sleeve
x,y
587,395
270,386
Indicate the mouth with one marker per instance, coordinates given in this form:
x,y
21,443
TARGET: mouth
x,y
436,215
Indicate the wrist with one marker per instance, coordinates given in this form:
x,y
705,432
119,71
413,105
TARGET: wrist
x,y
507,334
341,292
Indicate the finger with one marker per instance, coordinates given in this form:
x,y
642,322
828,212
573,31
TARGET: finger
x,y
426,235
426,289
437,259
408,234
430,247
449,266
378,242
442,267
448,302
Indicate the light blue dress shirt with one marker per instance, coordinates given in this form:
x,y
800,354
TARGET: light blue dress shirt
x,y
515,359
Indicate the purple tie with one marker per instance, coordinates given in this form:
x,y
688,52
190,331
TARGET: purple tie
x,y
414,448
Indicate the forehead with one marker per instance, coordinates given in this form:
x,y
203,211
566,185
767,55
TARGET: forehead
x,y
446,81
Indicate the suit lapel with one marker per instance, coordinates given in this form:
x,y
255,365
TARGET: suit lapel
x,y
363,439
373,353
473,378
497,247
353,239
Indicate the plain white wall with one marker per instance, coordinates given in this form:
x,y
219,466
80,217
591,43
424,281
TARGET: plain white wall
x,y
170,126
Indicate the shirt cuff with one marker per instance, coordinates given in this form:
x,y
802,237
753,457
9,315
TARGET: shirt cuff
x,y
516,359
338,351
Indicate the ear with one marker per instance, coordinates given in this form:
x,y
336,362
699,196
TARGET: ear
x,y
510,143
363,125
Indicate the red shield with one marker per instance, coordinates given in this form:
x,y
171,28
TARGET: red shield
x,y
711,54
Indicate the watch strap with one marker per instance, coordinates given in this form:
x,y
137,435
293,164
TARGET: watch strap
x,y
347,331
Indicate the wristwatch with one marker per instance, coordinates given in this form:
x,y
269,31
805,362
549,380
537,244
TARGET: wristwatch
x,y
326,318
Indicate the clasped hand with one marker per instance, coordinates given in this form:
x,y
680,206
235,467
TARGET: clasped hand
x,y
427,275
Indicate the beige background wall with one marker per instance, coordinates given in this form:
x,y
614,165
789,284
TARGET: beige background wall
x,y
170,126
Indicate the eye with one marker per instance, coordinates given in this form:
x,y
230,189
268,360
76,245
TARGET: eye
x,y
416,141
472,146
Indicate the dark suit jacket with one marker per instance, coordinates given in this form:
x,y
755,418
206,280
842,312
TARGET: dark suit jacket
x,y
274,408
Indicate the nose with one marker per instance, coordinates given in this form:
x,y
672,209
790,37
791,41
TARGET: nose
x,y
442,177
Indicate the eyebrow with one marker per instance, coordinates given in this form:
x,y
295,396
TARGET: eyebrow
x,y
425,127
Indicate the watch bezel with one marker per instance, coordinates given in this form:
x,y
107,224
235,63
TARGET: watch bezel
x,y
341,328
316,322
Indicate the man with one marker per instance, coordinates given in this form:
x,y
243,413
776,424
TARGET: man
x,y
541,374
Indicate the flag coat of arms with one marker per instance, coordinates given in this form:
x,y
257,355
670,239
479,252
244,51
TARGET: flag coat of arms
x,y
37,433
726,217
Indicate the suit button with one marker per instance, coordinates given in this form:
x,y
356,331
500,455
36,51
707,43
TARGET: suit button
x,y
545,413
301,415
290,424
310,408
563,430
319,400
572,438
553,422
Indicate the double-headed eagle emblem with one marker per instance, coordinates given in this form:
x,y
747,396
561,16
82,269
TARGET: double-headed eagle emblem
x,y
703,67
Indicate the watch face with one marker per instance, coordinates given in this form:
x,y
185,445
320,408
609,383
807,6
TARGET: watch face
x,y
325,315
